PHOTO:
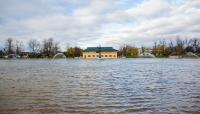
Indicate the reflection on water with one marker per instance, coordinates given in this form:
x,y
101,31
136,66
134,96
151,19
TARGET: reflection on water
x,y
100,86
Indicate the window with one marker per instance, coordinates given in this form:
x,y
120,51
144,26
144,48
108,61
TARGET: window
x,y
89,56
110,55
106,56
93,56
101,55
113,55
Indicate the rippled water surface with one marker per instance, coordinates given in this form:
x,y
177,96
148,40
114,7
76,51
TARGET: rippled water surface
x,y
100,86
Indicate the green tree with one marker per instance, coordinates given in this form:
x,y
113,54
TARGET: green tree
x,y
71,52
132,51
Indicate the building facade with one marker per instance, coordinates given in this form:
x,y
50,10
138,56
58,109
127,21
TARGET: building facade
x,y
99,52
147,50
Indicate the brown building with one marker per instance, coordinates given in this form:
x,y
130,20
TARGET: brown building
x,y
99,52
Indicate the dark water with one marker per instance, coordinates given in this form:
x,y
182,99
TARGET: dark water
x,y
146,86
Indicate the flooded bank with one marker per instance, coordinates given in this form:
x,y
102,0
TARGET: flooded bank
x,y
100,86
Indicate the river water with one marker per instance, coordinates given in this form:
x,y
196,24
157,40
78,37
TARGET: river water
x,y
121,86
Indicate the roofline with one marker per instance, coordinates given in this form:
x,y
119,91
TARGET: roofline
x,y
102,51
113,50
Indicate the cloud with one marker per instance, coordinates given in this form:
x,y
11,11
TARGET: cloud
x,y
94,22
150,8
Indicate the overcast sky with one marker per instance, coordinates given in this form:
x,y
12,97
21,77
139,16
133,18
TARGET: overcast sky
x,y
93,22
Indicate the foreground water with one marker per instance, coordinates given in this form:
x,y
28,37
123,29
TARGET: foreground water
x,y
100,86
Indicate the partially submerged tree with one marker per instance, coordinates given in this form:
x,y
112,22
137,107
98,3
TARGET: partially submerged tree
x,y
70,52
19,47
74,52
50,48
177,47
78,51
2,53
34,45
9,46
128,50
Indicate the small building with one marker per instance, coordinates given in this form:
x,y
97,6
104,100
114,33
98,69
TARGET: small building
x,y
147,50
99,52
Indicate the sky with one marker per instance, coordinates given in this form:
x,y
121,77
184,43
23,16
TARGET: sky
x,y
99,22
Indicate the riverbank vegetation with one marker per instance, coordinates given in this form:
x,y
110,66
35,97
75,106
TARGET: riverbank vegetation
x,y
182,48
165,48
48,48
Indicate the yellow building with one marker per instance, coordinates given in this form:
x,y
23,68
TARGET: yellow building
x,y
99,52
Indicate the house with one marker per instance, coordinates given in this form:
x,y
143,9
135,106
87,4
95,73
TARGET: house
x,y
99,52
142,50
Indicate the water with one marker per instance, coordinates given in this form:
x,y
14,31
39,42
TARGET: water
x,y
100,86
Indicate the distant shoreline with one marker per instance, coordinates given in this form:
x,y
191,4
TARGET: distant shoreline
x,y
176,57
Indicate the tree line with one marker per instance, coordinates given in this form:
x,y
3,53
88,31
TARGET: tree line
x,y
45,49
164,48
48,48
176,47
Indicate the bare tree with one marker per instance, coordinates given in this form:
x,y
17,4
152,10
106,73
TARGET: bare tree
x,y
34,45
123,50
47,46
195,44
50,48
19,47
9,46
55,48
163,47
179,46
78,51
